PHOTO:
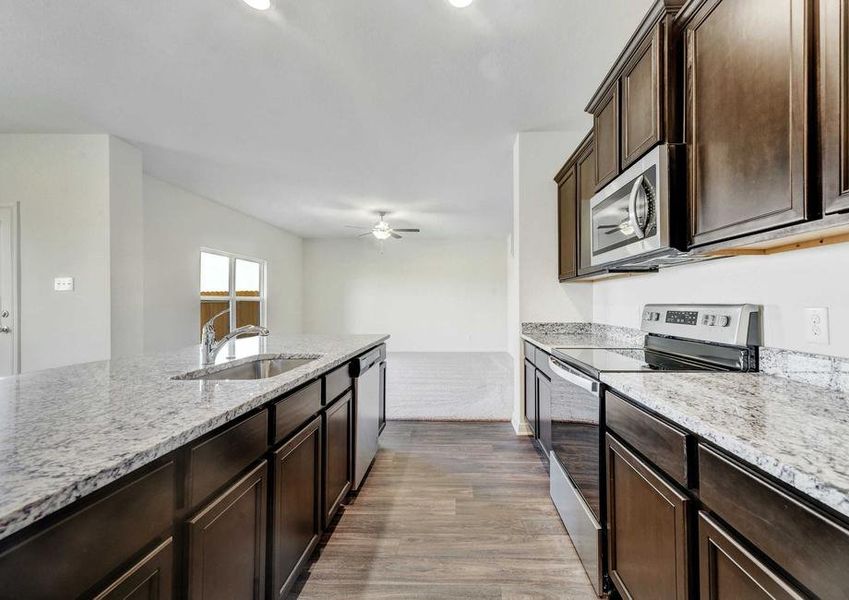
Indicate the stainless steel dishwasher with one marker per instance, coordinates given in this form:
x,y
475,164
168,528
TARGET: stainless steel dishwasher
x,y
366,373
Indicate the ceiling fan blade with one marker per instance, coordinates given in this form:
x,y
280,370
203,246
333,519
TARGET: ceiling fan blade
x,y
358,227
416,230
364,234
395,235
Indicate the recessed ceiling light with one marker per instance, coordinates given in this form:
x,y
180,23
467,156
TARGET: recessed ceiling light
x,y
258,4
460,3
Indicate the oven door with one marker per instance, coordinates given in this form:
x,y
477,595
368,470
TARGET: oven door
x,y
575,463
628,217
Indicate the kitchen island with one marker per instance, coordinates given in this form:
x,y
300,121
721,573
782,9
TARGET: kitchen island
x,y
74,440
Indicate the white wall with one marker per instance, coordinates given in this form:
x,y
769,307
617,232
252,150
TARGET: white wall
x,y
177,224
431,295
535,293
126,244
445,304
62,185
783,283
537,156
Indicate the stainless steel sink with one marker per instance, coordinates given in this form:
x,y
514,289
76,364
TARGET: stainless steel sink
x,y
261,368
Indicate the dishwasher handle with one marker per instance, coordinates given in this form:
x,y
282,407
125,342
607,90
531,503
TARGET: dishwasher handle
x,y
573,376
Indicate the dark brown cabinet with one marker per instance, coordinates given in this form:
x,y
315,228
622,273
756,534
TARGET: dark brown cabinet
x,y
149,579
227,541
834,102
296,506
641,110
727,571
606,137
567,219
531,397
543,385
337,455
747,115
585,166
647,521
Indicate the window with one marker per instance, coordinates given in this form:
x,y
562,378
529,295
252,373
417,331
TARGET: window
x,y
237,283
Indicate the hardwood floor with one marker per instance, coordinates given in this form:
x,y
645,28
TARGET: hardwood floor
x,y
450,510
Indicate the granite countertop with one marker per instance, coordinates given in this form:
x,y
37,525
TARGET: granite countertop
x,y
797,432
67,432
581,335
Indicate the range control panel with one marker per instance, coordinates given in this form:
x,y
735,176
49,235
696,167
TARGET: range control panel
x,y
734,324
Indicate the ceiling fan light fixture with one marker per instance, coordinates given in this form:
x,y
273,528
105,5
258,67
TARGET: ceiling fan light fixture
x,y
381,234
460,3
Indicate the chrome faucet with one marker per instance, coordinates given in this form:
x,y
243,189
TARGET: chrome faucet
x,y
210,347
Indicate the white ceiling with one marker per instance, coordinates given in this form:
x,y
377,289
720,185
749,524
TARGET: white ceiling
x,y
317,113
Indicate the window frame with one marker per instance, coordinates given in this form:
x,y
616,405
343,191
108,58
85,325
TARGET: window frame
x,y
231,298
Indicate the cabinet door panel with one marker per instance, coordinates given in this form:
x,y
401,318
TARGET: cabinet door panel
x,y
647,529
567,218
834,103
544,412
747,85
149,579
586,190
382,408
296,508
606,138
641,123
531,397
727,571
337,456
226,548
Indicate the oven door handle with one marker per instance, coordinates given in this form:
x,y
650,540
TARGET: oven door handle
x,y
572,376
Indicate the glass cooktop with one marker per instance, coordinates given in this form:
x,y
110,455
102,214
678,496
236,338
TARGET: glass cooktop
x,y
625,360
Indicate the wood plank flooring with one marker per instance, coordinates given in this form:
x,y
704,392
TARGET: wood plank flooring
x,y
450,510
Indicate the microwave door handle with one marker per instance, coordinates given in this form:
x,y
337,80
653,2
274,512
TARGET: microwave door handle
x,y
572,376
632,208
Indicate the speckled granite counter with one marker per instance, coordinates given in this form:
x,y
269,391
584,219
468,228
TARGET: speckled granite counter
x,y
581,335
67,432
798,433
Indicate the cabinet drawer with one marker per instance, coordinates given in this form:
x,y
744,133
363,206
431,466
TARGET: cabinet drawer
x,y
337,382
728,571
663,444
151,578
530,352
810,547
296,409
217,460
77,552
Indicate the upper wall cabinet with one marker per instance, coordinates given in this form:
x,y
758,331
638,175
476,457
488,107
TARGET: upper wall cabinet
x,y
834,103
634,108
567,220
747,115
585,167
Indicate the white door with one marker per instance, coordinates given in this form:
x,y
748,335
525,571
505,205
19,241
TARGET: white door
x,y
8,291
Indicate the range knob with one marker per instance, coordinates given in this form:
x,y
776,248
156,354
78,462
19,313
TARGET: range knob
x,y
723,321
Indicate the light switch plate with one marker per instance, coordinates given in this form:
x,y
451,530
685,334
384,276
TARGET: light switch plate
x,y
816,325
63,284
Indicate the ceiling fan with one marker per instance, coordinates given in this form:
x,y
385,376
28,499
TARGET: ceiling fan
x,y
382,230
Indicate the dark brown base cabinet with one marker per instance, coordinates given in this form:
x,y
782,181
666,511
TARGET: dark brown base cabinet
x,y
227,540
531,396
338,472
150,579
647,521
296,506
727,571
234,514
544,412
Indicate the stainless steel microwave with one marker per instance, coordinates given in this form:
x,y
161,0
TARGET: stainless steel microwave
x,y
639,218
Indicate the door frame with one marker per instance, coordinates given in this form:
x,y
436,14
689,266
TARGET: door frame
x,y
15,324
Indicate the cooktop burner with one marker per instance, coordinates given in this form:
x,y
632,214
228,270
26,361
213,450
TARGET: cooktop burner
x,y
626,360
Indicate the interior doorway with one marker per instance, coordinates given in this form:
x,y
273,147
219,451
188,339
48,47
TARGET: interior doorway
x,y
9,321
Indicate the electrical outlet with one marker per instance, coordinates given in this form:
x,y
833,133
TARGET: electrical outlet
x,y
63,284
816,325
